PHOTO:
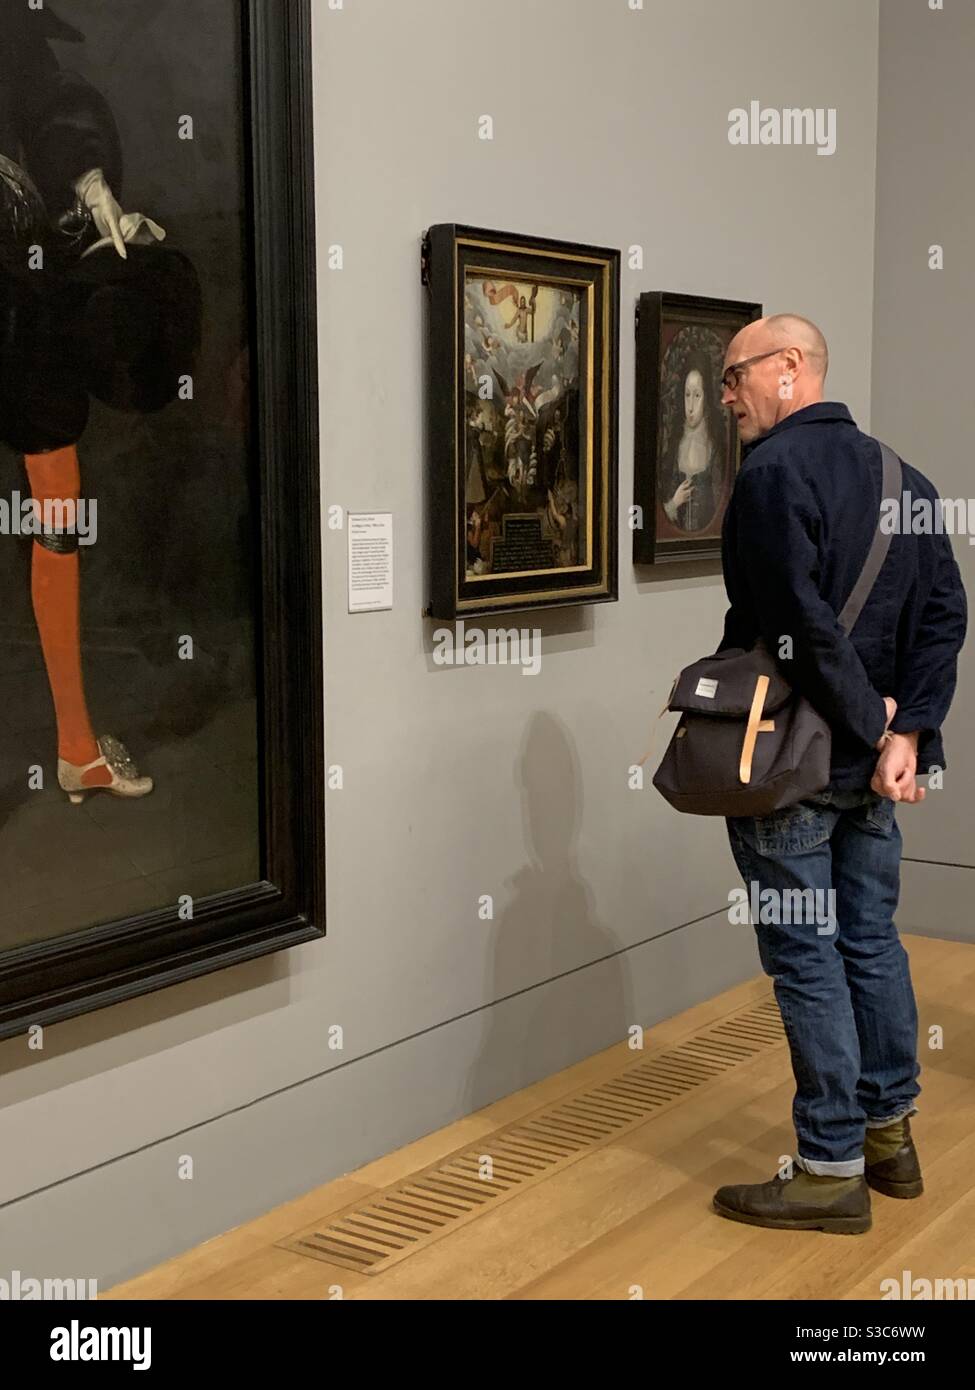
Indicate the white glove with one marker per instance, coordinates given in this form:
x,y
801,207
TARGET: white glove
x,y
112,224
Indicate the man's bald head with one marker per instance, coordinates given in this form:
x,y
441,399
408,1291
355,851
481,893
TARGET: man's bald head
x,y
793,362
793,329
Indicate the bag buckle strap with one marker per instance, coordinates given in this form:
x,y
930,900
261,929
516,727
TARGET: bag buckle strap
x,y
656,722
756,725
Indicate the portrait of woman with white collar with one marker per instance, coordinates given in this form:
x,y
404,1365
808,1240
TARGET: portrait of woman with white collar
x,y
694,436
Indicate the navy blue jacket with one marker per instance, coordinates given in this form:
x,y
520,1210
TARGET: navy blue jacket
x,y
802,515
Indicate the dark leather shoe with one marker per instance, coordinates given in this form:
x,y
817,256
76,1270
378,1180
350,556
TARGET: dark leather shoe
x,y
891,1162
804,1202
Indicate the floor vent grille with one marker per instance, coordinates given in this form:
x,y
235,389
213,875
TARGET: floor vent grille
x,y
402,1219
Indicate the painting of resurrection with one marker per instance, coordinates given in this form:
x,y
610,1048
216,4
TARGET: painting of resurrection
x,y
522,458
532,466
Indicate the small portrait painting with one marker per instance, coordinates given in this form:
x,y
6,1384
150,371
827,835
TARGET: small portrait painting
x,y
687,449
693,457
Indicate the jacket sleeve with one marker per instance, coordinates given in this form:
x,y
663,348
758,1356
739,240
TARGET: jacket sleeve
x,y
927,675
776,541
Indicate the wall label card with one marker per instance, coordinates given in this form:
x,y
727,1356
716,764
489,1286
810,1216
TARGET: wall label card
x,y
370,561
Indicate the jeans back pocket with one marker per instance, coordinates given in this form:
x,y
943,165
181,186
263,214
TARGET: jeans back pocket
x,y
793,830
879,814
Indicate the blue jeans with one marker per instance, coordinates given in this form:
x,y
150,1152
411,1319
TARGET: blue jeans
x,y
841,976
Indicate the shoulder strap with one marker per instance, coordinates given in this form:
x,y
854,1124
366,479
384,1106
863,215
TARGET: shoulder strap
x,y
890,487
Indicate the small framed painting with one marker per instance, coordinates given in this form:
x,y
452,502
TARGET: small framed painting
x,y
686,449
522,378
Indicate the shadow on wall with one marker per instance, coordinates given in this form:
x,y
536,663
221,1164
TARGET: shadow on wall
x,y
548,932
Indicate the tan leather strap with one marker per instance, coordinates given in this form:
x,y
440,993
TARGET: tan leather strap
x,y
756,725
656,722
653,733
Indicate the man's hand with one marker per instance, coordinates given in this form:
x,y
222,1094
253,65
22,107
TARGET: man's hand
x,y
896,772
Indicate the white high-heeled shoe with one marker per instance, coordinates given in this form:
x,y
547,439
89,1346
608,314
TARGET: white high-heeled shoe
x,y
115,756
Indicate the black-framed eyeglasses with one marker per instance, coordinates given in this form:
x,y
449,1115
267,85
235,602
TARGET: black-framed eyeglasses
x,y
732,377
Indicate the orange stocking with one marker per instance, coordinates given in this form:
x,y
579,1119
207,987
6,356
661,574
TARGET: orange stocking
x,y
56,476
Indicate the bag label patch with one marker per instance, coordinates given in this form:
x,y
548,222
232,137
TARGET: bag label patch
x,y
707,687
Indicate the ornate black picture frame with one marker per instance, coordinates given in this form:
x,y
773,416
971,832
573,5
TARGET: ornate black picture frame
x,y
686,450
522,393
270,390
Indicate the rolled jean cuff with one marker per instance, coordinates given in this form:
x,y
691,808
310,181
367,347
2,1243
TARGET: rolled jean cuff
x,y
852,1168
892,1119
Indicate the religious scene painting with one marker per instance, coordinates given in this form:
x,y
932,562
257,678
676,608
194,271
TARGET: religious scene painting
x,y
522,440
524,448
686,441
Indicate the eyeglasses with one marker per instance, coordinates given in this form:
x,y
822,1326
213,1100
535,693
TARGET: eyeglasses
x,y
732,377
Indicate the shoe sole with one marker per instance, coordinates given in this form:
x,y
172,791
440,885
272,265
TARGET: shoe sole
x,y
913,1188
78,798
833,1225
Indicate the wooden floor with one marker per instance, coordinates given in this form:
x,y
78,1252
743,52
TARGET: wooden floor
x,y
634,1214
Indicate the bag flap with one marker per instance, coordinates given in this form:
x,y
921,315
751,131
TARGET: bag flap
x,y
724,684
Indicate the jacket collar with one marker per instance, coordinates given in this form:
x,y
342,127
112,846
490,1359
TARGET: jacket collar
x,y
823,412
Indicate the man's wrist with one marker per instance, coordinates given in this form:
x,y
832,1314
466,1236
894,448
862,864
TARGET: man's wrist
x,y
889,739
884,737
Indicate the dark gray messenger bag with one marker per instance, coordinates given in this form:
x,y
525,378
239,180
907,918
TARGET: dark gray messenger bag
x,y
746,743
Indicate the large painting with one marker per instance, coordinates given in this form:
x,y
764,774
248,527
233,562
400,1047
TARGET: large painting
x,y
160,726
686,441
522,387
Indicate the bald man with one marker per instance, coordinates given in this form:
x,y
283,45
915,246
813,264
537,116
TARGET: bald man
x,y
801,520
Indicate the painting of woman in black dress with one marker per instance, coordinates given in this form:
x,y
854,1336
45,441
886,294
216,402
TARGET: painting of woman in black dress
x,y
694,433
686,449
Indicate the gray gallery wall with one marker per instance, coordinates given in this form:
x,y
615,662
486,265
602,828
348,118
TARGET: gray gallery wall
x,y
610,127
922,387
